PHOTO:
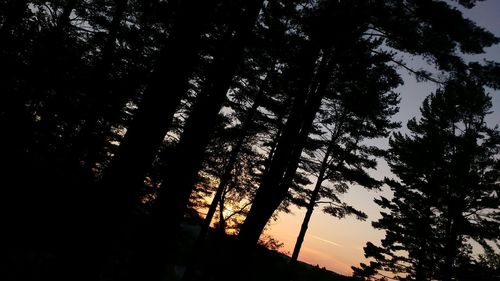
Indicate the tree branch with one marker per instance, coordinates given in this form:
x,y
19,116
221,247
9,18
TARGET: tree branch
x,y
416,72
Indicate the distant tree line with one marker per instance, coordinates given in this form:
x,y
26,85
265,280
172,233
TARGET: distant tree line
x,y
121,117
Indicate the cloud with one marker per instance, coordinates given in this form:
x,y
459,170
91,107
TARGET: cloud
x,y
327,241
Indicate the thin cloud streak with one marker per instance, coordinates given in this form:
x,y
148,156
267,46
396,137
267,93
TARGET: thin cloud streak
x,y
327,241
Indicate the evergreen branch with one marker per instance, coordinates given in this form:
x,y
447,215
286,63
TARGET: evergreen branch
x,y
416,72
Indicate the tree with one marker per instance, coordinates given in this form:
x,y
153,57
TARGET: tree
x,y
445,196
343,128
52,62
401,26
259,77
179,179
102,101
156,110
184,163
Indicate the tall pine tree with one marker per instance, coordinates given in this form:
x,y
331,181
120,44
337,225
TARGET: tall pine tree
x,y
446,194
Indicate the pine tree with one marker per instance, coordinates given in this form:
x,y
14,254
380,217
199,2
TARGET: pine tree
x,y
156,110
343,129
445,196
402,27
100,100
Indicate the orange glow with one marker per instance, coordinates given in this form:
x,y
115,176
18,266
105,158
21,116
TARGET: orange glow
x,y
231,219
330,242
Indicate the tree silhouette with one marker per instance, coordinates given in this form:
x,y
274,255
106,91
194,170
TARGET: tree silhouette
x,y
343,128
156,109
444,196
118,117
277,179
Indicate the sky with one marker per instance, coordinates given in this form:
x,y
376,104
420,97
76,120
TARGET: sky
x,y
338,244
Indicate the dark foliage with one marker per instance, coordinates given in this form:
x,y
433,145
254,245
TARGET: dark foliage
x,y
121,119
446,194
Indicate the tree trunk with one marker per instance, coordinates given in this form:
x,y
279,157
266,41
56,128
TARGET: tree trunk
x,y
310,210
108,50
225,178
103,66
277,180
449,253
183,166
451,242
189,153
455,206
222,221
50,69
91,141
267,199
274,144
168,84
274,188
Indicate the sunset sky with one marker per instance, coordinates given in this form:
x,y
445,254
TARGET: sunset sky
x,y
338,244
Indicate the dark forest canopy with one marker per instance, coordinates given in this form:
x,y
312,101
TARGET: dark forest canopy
x,y
120,117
